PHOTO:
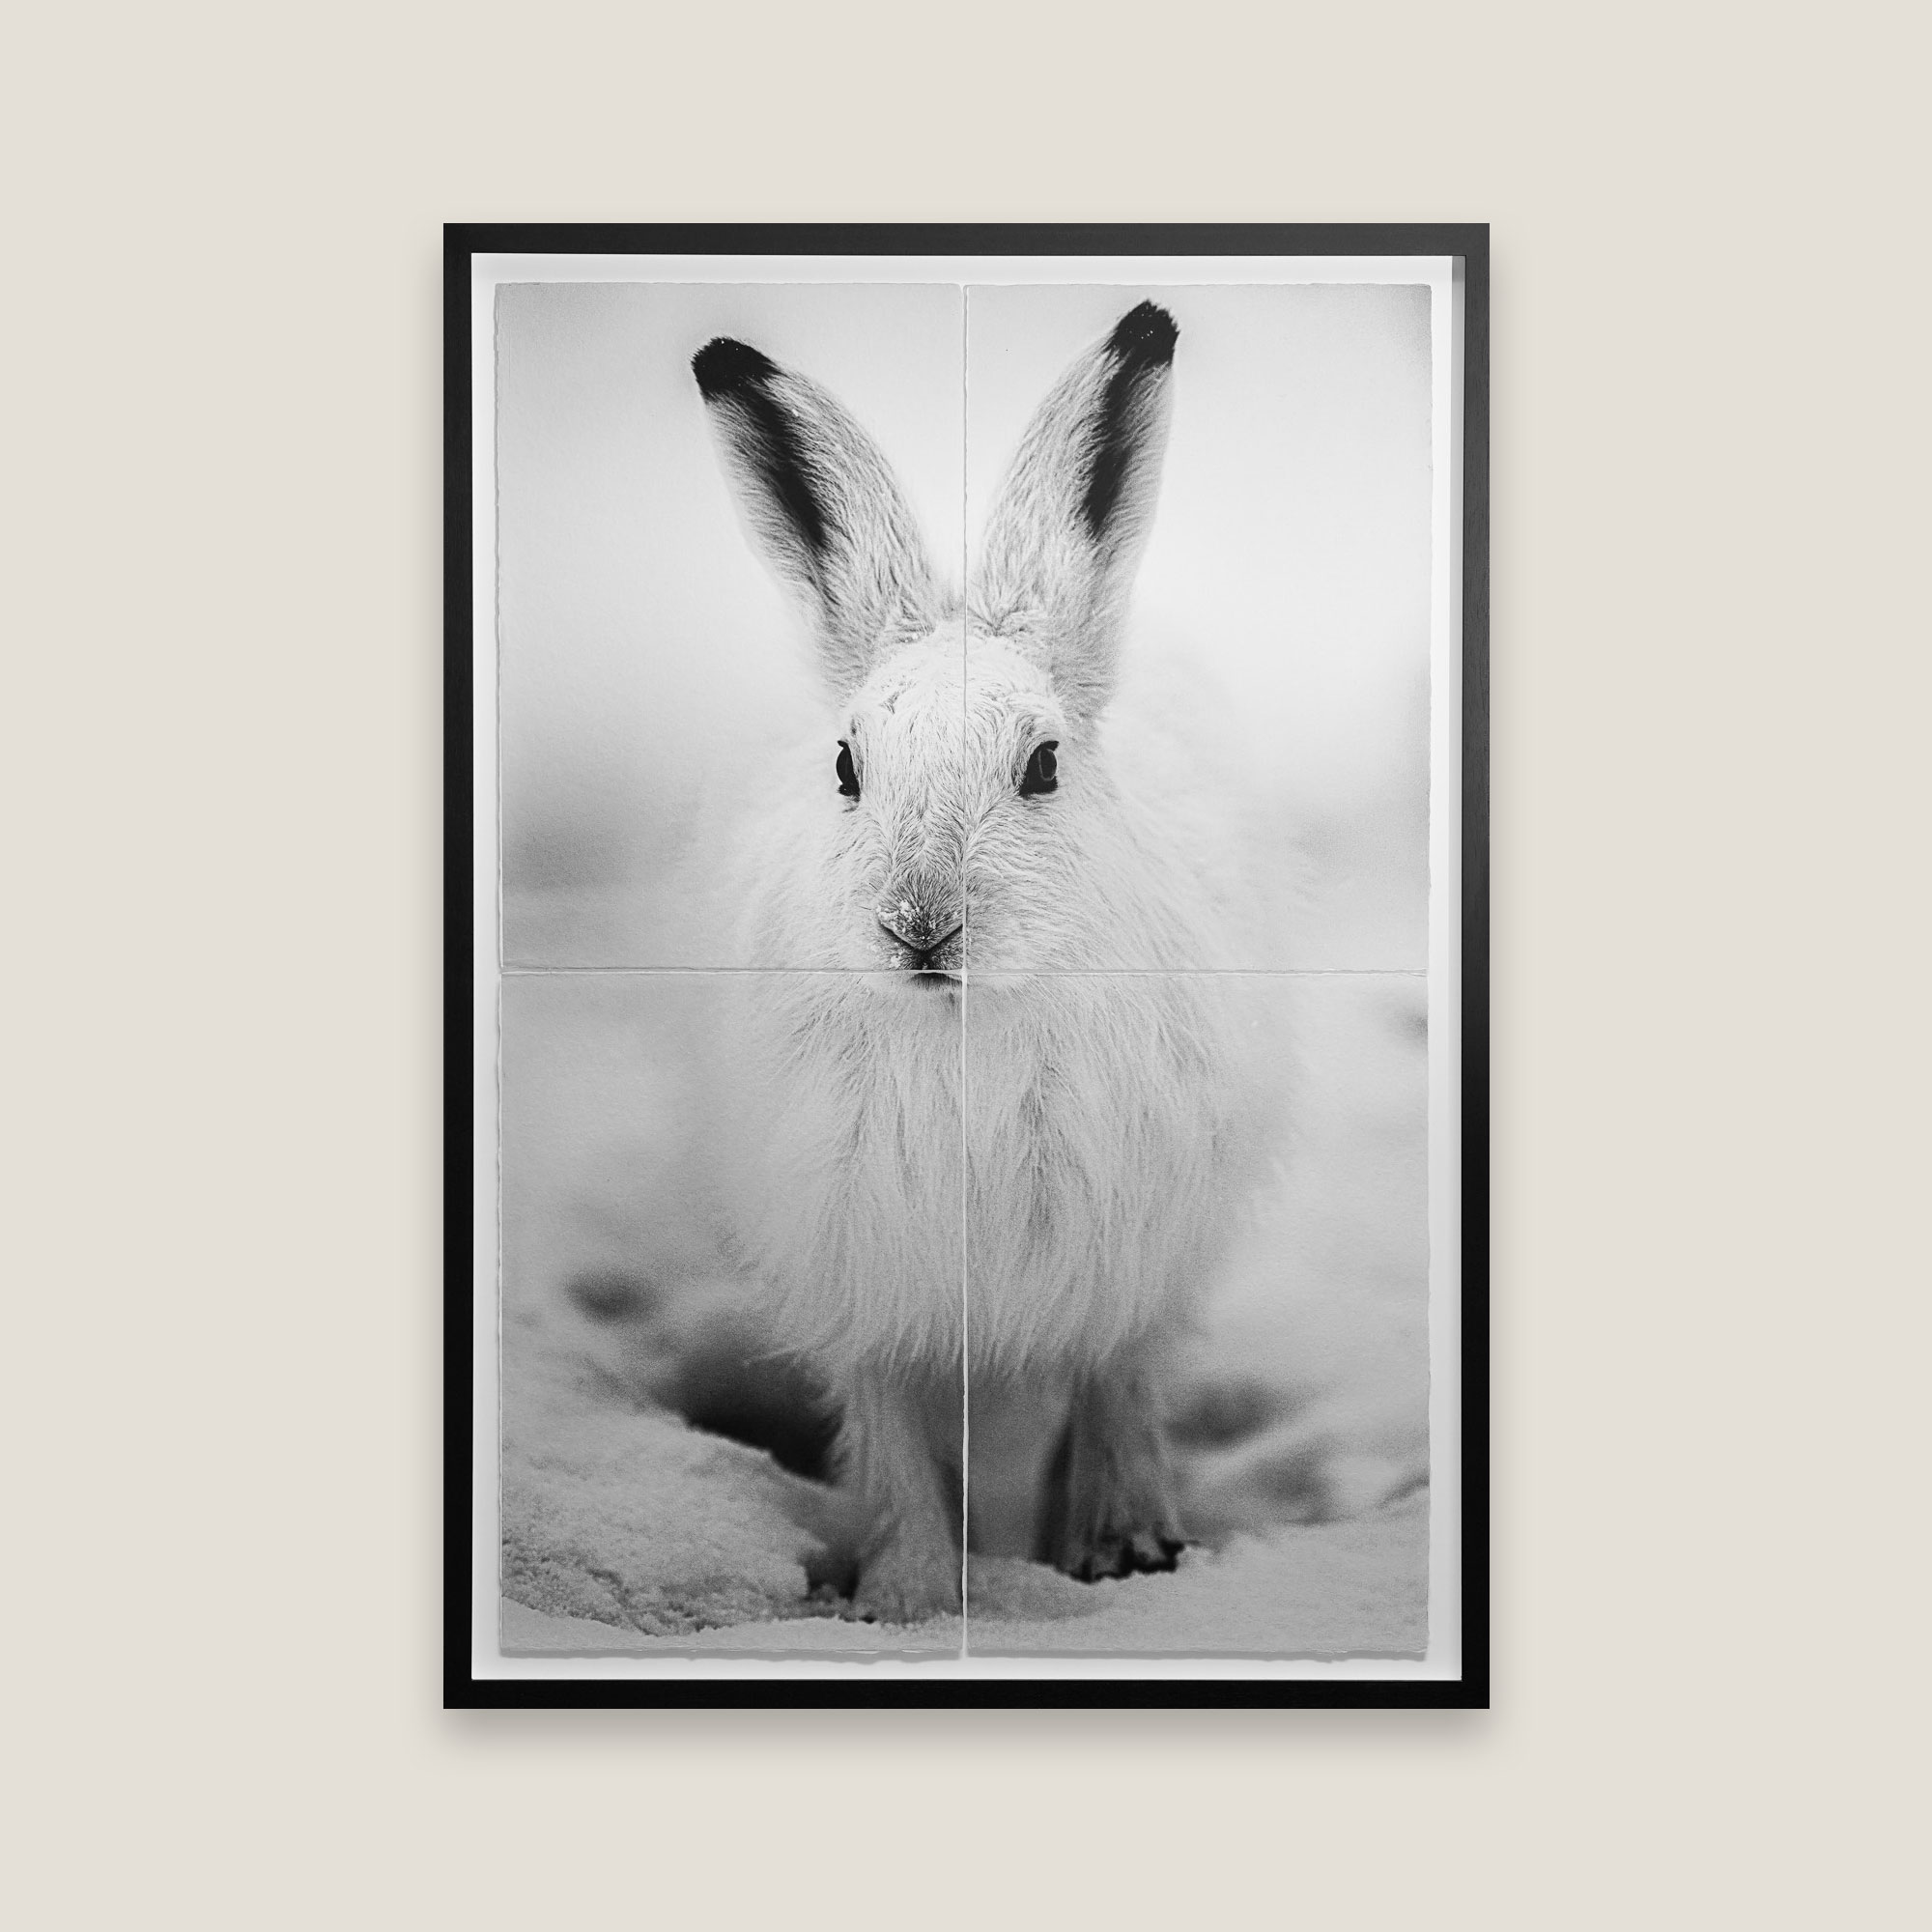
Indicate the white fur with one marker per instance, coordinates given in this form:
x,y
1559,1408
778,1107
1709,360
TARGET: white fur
x,y
1030,1168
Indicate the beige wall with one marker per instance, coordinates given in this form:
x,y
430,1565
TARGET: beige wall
x,y
221,768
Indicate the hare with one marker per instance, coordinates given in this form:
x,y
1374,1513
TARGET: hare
x,y
972,1159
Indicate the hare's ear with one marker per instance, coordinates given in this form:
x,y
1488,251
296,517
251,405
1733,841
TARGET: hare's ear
x,y
1069,522
822,505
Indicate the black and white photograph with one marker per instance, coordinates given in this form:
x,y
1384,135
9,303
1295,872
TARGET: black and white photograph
x,y
966,968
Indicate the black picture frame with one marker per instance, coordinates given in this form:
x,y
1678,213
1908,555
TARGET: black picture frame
x,y
1468,243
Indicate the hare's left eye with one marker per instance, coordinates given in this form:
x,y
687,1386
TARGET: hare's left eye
x,y
848,776
1043,770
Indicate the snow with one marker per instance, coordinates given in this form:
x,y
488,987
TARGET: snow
x,y
1323,1591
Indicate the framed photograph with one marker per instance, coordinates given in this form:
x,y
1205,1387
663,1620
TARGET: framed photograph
x,y
967,965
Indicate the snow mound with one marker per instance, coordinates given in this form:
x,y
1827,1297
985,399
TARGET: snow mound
x,y
635,1519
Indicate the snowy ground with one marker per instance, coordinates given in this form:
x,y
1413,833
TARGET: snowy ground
x,y
1301,1416
1317,1590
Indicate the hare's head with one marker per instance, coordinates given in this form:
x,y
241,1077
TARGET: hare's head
x,y
966,814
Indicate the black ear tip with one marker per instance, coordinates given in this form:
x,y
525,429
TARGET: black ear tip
x,y
1145,337
722,365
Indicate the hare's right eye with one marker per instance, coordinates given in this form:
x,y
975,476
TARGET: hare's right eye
x,y
1043,772
848,776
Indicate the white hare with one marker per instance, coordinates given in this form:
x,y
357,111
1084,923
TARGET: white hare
x,y
967,1149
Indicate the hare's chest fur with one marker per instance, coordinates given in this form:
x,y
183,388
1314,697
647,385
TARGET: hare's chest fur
x,y
1040,1184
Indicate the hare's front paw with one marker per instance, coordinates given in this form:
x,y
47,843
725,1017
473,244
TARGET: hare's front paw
x,y
905,1586
1114,1551
1111,1517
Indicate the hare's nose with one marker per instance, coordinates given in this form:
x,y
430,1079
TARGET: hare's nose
x,y
911,921
918,938
921,931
